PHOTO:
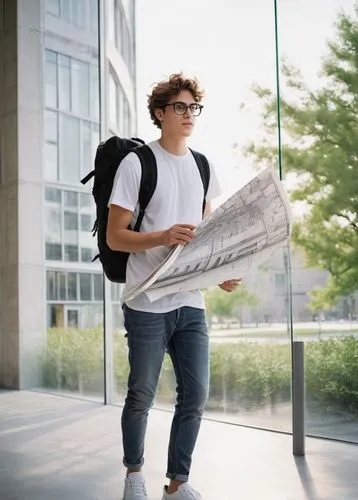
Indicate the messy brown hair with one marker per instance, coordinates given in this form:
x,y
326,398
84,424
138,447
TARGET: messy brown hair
x,y
166,89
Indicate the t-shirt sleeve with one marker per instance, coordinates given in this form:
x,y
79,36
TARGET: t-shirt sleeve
x,y
126,183
214,189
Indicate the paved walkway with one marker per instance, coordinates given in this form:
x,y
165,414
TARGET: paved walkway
x,y
58,448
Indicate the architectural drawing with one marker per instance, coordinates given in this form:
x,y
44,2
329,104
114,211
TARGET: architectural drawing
x,y
250,225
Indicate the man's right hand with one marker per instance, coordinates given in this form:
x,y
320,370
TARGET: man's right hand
x,y
180,234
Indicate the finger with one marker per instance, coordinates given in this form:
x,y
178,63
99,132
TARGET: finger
x,y
181,241
186,234
187,226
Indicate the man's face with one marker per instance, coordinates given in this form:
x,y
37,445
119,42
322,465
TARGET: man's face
x,y
177,119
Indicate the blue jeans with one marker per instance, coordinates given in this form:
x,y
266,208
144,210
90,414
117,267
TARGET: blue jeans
x,y
183,334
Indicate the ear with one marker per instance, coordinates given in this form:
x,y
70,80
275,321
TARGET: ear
x,y
159,114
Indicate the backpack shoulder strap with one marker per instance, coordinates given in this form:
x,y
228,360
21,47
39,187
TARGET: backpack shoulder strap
x,y
204,170
148,180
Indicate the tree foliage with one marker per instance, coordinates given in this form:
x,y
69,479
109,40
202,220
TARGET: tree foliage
x,y
225,305
320,145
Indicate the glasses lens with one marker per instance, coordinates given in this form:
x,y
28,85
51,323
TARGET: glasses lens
x,y
180,108
195,109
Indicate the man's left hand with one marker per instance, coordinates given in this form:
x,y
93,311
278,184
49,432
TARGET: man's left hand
x,y
230,285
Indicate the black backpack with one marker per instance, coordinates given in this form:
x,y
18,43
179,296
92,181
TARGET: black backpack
x,y
108,157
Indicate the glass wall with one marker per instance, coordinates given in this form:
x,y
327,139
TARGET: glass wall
x,y
287,101
319,113
73,359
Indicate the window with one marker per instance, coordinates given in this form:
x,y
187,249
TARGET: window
x,y
71,253
112,100
119,110
112,20
86,148
70,199
64,75
69,149
78,13
95,141
51,146
51,79
53,194
98,286
85,286
80,83
63,286
68,226
66,10
86,254
82,13
94,89
53,7
86,222
72,286
120,29
93,15
70,142
51,285
71,221
53,228
85,200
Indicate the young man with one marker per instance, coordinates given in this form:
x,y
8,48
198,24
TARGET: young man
x,y
175,323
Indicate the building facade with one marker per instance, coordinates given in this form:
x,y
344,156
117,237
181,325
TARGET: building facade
x,y
67,82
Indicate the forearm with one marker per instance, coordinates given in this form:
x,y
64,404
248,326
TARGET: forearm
x,y
125,240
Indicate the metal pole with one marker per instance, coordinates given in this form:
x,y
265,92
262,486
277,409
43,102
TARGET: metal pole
x,y
298,398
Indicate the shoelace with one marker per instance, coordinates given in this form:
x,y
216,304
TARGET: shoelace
x,y
137,488
194,495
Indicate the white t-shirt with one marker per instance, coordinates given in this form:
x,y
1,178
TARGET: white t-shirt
x,y
177,199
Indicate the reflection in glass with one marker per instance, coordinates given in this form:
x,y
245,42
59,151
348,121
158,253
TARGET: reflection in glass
x,y
80,87
70,199
72,286
79,12
50,79
51,285
111,20
72,361
51,161
112,100
53,7
64,75
66,10
319,109
86,148
69,150
93,14
98,286
94,92
85,286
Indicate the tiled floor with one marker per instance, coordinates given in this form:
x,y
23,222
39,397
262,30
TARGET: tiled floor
x,y
56,448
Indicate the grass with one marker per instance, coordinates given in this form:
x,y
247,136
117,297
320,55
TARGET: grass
x,y
279,333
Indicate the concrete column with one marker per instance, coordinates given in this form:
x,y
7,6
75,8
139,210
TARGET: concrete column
x,y
22,278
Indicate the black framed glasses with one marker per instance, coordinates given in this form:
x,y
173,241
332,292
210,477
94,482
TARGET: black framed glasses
x,y
181,108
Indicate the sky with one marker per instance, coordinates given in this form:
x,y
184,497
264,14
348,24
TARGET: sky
x,y
229,46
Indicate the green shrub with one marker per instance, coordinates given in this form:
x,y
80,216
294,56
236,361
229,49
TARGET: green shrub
x,y
243,374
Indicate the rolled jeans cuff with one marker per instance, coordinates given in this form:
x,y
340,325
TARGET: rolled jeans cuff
x,y
178,477
133,466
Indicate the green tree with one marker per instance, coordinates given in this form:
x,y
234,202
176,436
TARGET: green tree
x,y
226,305
320,145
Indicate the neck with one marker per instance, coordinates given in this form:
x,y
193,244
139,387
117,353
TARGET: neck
x,y
174,145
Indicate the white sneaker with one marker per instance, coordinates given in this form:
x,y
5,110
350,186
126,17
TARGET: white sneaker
x,y
134,487
184,492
